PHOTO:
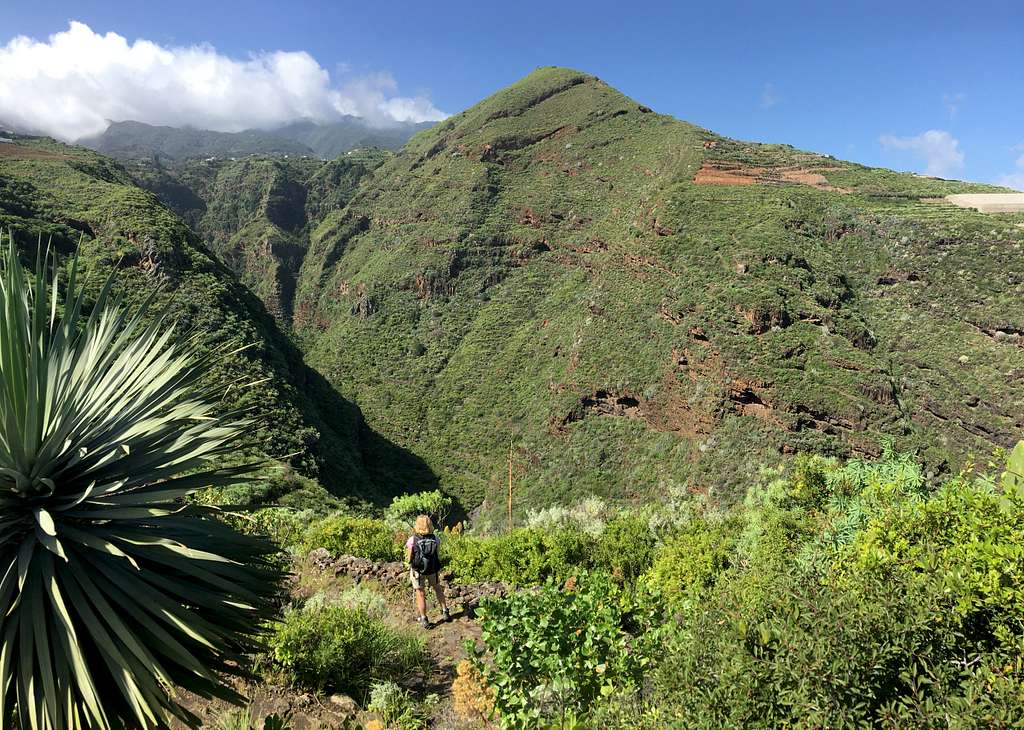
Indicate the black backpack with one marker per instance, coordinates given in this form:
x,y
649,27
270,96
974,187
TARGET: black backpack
x,y
425,559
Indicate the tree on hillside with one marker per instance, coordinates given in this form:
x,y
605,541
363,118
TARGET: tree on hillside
x,y
114,589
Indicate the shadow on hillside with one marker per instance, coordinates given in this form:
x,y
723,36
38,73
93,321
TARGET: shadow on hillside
x,y
354,460
384,468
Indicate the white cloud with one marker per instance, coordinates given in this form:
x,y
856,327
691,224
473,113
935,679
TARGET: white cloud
x,y
939,150
73,84
1015,179
769,96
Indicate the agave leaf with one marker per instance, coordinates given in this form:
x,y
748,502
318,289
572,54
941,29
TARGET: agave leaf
x,y
97,542
45,521
116,660
6,651
52,544
40,638
167,643
24,559
118,628
108,422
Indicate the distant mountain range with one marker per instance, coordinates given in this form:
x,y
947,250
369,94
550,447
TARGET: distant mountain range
x,y
136,140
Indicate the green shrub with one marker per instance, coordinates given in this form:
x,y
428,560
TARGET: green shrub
x,y
406,508
531,555
559,554
590,515
911,621
358,598
244,720
552,654
969,536
808,483
395,707
626,547
874,653
338,649
806,519
235,720
691,560
774,525
345,535
526,556
283,526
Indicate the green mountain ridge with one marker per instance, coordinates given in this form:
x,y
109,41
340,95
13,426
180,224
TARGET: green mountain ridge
x,y
336,138
632,301
130,140
137,140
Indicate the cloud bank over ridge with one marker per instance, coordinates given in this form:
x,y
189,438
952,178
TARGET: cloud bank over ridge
x,y
939,150
73,84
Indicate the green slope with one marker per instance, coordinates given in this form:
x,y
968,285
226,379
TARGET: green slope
x,y
542,268
86,201
257,213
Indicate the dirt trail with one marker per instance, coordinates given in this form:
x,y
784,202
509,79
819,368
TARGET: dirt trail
x,y
445,642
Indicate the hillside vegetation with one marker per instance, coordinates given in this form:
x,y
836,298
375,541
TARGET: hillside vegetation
x,y
88,206
835,594
632,301
758,410
635,301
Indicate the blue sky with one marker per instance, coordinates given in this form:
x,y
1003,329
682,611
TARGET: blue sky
x,y
926,86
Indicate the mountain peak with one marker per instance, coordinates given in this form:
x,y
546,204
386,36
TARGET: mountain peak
x,y
534,89
548,101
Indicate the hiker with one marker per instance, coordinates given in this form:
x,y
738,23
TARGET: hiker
x,y
421,552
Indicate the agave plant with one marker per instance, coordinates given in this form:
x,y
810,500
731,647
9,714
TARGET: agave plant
x,y
116,590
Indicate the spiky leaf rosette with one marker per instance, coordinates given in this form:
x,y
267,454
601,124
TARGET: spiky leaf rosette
x,y
115,590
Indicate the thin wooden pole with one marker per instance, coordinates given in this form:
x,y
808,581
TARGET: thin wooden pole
x,y
510,485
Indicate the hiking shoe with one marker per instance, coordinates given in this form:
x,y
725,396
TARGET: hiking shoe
x,y
422,621
445,615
